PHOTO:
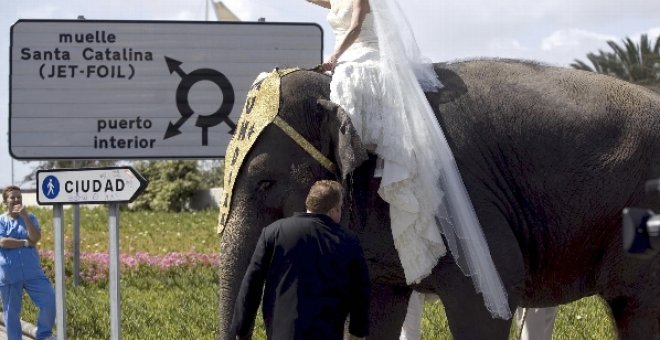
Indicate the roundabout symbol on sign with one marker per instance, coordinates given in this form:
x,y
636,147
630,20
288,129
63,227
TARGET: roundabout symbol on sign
x,y
182,104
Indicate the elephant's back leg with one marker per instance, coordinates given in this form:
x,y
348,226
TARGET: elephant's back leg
x,y
635,322
631,287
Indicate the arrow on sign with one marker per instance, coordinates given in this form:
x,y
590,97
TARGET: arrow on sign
x,y
89,185
175,66
173,129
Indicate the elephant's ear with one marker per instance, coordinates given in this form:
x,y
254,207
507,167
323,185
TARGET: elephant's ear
x,y
348,148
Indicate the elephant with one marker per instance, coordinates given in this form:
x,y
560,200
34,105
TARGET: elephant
x,y
549,156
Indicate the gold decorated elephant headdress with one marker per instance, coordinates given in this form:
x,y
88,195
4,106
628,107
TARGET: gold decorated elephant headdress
x,y
260,110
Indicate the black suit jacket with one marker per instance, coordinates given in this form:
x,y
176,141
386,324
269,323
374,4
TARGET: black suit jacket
x,y
315,276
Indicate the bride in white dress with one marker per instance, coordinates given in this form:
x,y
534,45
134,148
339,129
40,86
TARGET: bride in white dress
x,y
378,78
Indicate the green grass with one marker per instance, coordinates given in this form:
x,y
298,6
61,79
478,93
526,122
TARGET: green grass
x,y
156,233
171,311
584,319
588,318
181,303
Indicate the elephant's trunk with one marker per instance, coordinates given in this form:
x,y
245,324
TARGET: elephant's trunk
x,y
236,247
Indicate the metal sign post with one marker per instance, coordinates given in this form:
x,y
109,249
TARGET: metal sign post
x,y
76,245
80,186
115,302
60,305
76,241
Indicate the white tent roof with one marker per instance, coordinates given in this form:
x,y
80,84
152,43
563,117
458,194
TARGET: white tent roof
x,y
223,13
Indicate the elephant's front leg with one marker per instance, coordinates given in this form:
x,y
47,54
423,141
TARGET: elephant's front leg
x,y
467,316
387,311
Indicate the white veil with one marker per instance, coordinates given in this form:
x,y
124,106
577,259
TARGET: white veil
x,y
403,70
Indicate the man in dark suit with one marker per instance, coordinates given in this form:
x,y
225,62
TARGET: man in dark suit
x,y
314,272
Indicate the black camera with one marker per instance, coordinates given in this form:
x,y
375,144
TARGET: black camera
x,y
641,228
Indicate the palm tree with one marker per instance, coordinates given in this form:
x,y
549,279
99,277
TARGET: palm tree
x,y
639,64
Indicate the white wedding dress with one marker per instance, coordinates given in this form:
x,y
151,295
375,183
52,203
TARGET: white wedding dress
x,y
378,85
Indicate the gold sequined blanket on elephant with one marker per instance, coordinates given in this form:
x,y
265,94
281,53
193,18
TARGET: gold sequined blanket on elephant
x,y
260,110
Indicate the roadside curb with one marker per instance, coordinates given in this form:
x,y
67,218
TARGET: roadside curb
x,y
29,330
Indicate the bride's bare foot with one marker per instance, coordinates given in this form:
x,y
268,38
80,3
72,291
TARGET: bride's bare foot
x,y
378,172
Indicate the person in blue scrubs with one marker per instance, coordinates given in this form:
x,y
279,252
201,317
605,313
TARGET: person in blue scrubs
x,y
20,268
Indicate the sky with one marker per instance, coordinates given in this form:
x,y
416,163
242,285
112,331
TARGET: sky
x,y
555,32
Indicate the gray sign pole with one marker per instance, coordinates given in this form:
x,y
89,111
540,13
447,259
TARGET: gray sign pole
x,y
76,240
76,245
60,302
115,308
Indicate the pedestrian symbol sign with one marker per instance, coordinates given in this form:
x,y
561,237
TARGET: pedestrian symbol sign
x,y
97,185
50,187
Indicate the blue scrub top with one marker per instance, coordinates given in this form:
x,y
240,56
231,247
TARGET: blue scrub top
x,y
18,264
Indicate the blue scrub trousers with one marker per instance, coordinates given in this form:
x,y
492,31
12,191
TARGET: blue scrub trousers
x,y
42,294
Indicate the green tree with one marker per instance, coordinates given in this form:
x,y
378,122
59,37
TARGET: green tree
x,y
636,63
212,173
171,184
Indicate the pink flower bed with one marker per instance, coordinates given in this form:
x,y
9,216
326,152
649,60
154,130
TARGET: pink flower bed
x,y
95,266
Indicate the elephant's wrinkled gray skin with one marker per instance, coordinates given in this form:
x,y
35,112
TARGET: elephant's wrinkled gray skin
x,y
550,157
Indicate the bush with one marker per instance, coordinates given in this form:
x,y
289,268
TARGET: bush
x,y
171,185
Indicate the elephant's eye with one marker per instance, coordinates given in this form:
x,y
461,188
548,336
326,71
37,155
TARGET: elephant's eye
x,y
265,185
